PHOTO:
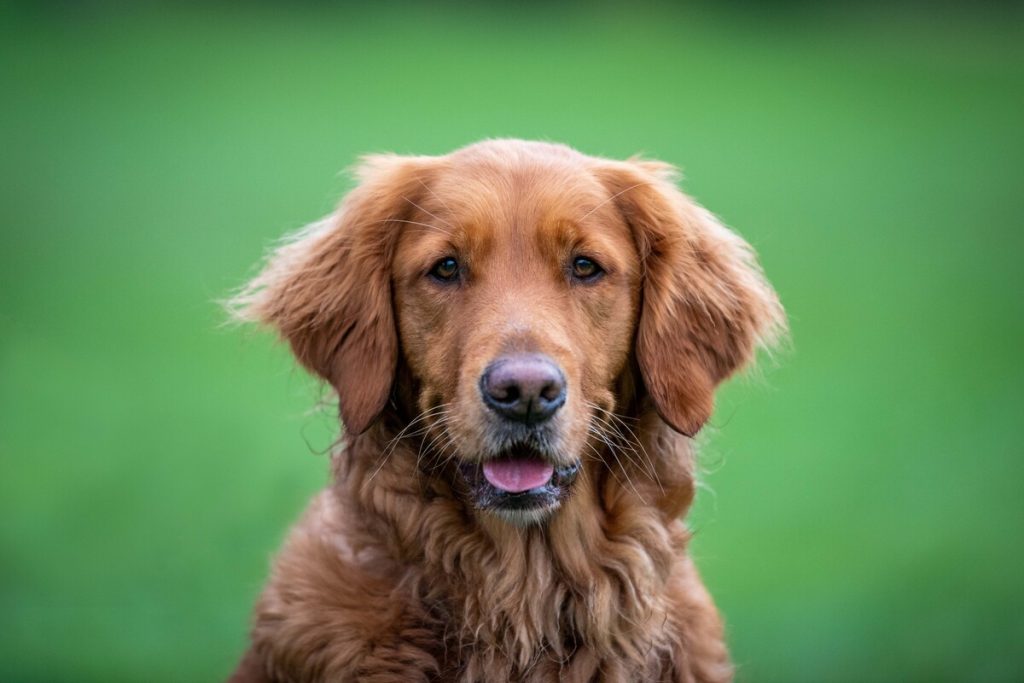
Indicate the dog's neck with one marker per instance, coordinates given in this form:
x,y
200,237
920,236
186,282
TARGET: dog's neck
x,y
602,573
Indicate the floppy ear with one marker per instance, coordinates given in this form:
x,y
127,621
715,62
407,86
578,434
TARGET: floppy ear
x,y
327,290
706,305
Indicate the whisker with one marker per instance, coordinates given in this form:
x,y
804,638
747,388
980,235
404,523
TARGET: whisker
x,y
429,213
434,194
402,434
612,450
646,463
617,445
441,434
393,443
612,198
425,225
635,439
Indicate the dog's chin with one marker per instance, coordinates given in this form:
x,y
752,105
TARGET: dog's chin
x,y
520,486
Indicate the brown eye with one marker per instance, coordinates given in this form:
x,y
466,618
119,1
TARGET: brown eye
x,y
585,269
445,270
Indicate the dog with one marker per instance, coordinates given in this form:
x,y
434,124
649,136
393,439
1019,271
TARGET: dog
x,y
523,341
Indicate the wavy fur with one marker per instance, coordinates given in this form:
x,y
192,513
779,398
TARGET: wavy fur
x,y
392,574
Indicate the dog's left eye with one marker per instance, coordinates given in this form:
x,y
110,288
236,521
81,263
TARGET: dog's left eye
x,y
584,268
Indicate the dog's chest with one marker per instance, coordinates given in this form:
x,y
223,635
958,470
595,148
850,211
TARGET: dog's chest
x,y
539,627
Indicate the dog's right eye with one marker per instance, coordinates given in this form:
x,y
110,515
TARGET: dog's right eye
x,y
445,270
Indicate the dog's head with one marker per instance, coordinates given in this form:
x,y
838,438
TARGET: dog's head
x,y
507,300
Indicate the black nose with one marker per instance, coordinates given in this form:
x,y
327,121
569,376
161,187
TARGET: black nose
x,y
527,388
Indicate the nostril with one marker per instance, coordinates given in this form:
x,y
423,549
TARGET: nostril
x,y
506,394
551,391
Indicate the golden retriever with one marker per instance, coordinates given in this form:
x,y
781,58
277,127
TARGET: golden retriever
x,y
523,340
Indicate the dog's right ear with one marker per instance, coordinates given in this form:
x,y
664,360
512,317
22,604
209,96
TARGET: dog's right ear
x,y
327,289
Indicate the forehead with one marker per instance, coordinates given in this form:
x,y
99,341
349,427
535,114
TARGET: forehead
x,y
484,207
518,193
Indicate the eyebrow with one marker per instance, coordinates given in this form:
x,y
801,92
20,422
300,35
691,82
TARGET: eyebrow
x,y
425,225
432,215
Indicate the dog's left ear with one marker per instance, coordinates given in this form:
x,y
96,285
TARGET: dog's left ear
x,y
327,290
706,304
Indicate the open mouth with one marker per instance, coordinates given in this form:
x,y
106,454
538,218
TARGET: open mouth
x,y
520,484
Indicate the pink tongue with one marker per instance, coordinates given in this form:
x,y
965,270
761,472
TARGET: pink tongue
x,y
516,476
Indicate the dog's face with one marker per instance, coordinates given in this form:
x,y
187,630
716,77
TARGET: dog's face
x,y
516,297
515,287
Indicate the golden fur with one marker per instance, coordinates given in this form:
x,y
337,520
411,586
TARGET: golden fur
x,y
393,574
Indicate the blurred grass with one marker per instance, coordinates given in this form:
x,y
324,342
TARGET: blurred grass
x,y
866,515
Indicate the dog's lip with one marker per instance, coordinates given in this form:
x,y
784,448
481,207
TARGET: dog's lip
x,y
545,496
560,477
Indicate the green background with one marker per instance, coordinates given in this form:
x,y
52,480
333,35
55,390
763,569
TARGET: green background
x,y
863,513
